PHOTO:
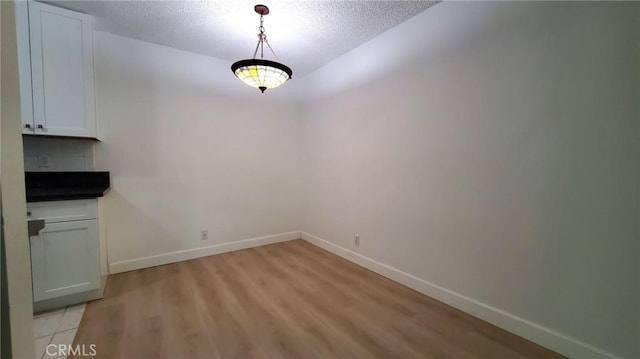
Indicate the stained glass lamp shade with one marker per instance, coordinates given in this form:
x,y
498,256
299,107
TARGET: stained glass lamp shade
x,y
260,73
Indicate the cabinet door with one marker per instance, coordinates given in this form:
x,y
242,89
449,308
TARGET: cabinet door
x,y
62,71
65,259
24,66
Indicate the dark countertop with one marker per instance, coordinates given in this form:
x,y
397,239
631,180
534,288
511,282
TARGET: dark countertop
x,y
59,186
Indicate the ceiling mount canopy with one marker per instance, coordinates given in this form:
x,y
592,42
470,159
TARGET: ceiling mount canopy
x,y
260,73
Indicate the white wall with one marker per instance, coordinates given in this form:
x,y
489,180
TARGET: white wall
x,y
189,148
502,163
14,210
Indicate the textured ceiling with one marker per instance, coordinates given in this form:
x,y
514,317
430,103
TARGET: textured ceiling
x,y
304,34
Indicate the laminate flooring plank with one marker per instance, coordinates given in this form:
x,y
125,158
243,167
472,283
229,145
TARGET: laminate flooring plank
x,y
285,300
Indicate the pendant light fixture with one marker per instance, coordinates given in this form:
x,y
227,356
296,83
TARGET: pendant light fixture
x,y
260,73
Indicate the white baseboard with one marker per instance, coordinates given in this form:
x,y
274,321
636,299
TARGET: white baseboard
x,y
179,256
546,337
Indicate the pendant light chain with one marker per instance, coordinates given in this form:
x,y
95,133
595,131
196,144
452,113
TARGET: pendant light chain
x,y
262,38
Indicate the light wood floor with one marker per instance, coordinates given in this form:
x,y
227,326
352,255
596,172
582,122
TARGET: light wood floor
x,y
286,300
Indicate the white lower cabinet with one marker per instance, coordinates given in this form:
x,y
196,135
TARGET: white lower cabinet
x,y
65,260
65,255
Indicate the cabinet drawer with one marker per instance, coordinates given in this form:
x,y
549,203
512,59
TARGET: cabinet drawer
x,y
63,211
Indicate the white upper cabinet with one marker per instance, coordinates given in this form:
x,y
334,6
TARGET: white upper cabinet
x,y
60,47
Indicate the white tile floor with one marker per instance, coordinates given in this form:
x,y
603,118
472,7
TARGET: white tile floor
x,y
56,327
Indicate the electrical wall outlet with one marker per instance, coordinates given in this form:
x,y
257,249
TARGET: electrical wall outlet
x,y
204,235
44,160
356,240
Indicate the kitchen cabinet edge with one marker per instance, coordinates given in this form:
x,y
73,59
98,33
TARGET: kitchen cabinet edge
x,y
96,139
